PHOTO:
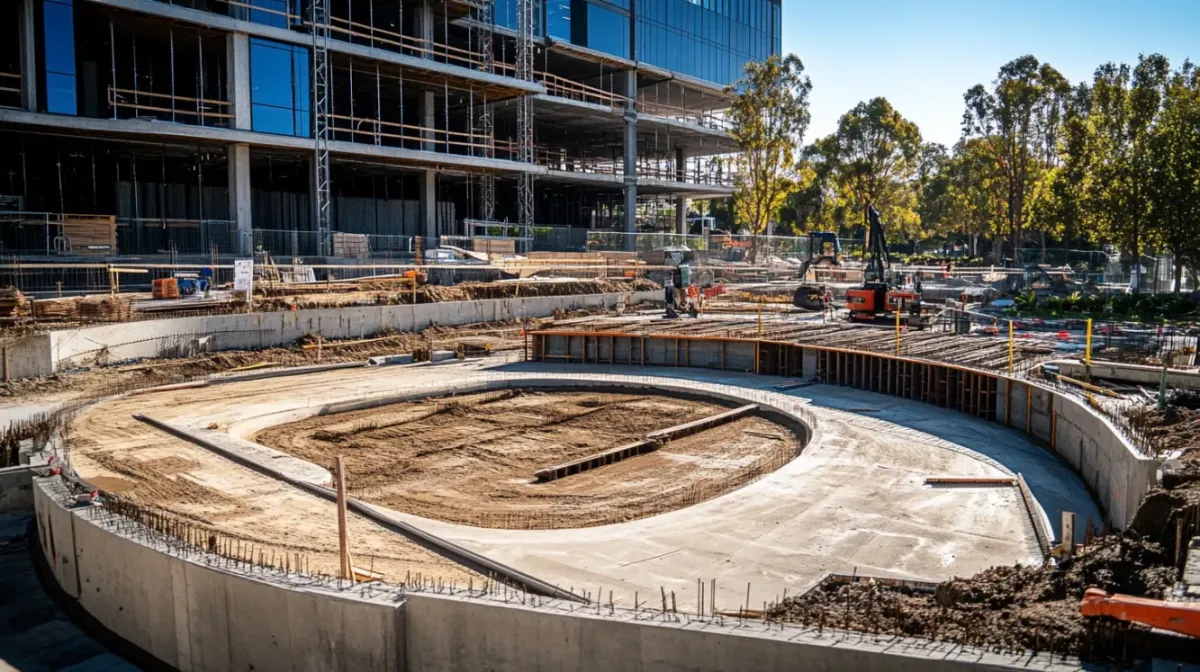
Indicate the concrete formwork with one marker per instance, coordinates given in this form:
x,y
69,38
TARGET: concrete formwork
x,y
43,354
16,489
196,612
1116,473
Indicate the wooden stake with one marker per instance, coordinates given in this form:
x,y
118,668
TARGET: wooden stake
x,y
343,539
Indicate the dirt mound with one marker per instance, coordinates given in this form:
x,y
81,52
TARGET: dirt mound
x,y
1019,607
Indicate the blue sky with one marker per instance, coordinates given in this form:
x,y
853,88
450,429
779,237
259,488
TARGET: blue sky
x,y
922,55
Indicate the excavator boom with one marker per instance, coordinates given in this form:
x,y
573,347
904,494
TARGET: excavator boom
x,y
1181,617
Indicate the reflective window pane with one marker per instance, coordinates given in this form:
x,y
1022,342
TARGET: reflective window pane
x,y
558,19
608,31
279,88
60,94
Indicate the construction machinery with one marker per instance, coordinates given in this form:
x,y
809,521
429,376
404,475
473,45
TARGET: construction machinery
x,y
878,297
1180,617
824,249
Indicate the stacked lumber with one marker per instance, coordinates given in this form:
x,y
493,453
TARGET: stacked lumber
x,y
106,308
91,234
56,309
13,303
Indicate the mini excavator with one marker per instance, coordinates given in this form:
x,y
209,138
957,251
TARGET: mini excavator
x,y
878,298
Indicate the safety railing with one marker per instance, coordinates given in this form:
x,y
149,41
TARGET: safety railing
x,y
346,29
379,132
561,87
10,89
560,159
155,236
693,172
169,107
707,118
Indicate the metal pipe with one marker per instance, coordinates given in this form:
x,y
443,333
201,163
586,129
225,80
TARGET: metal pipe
x,y
112,47
171,42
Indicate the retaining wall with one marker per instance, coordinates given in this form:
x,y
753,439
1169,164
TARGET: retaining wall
x,y
195,613
1116,473
42,354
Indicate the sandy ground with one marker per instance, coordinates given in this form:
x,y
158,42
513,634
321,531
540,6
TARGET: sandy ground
x,y
471,459
114,451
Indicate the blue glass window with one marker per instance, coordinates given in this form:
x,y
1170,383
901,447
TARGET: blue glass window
x,y
558,19
279,90
608,31
58,56
272,12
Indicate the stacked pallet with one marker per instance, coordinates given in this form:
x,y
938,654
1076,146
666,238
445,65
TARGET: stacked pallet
x,y
352,245
106,308
13,303
56,309
90,234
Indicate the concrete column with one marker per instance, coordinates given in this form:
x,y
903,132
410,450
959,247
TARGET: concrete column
x,y
424,23
29,95
239,193
681,204
428,121
429,227
237,71
631,153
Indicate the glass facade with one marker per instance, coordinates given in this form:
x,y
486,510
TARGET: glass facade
x,y
279,93
708,39
278,13
58,56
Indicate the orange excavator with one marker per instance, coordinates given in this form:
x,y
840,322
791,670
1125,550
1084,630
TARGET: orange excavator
x,y
1180,617
878,298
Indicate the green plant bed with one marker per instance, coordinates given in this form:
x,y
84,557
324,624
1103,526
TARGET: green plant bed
x,y
1153,308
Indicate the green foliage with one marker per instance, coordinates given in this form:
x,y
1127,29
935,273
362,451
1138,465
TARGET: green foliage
x,y
1174,184
873,157
768,118
1018,122
1154,308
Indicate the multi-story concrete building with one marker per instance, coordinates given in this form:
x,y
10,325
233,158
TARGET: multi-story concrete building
x,y
231,123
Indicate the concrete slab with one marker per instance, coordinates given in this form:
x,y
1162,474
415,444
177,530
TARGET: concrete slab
x,y
855,500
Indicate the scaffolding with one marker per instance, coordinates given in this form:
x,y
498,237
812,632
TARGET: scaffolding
x,y
485,19
525,143
321,115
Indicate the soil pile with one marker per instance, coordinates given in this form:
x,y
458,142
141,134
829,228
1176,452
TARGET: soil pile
x,y
1019,607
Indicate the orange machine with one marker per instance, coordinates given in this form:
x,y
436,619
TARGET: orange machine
x,y
1181,617
879,299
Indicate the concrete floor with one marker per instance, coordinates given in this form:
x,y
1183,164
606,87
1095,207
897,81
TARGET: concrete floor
x,y
854,501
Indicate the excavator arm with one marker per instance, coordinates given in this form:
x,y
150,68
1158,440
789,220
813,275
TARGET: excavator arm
x,y
1181,617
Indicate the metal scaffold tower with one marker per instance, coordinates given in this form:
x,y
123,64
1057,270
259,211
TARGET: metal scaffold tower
x,y
525,147
485,19
319,23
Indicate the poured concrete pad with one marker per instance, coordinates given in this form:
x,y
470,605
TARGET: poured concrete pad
x,y
854,500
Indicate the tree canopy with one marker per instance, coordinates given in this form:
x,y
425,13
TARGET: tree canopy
x,y
768,119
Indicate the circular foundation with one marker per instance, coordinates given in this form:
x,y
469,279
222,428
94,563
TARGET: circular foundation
x,y
471,458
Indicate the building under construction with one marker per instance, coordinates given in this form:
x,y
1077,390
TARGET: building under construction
x,y
140,127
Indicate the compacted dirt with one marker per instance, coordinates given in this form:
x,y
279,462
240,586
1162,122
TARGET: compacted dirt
x,y
471,459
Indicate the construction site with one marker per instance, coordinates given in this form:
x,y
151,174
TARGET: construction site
x,y
377,335
656,437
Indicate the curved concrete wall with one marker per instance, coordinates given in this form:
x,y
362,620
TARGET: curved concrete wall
x,y
43,354
1116,473
195,612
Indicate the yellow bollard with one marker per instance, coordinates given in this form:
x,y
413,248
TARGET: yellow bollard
x,y
1088,350
1010,347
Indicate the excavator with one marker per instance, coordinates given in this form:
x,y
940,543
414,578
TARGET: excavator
x,y
1180,617
878,298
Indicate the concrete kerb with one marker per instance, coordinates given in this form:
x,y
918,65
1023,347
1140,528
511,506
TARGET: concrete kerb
x,y
210,613
470,559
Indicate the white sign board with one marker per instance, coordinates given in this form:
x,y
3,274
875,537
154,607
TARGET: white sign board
x,y
243,276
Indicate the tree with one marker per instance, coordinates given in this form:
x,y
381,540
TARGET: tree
x,y
1017,121
1175,168
1117,192
873,157
976,193
933,185
768,118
